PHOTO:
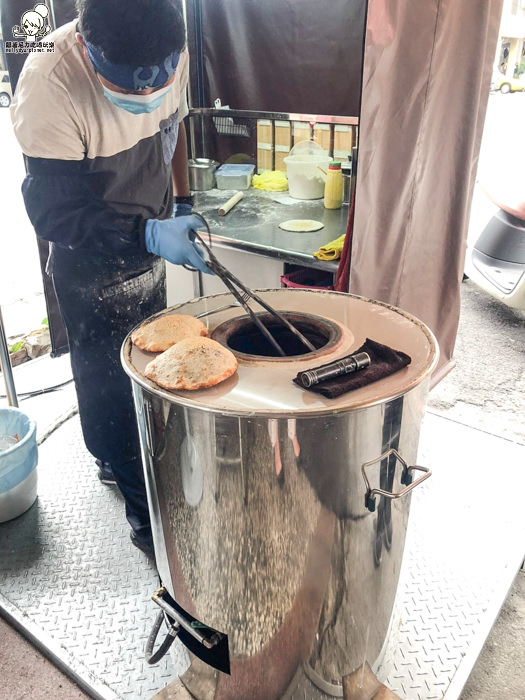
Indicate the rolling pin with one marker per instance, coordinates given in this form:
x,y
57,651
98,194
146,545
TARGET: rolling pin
x,y
230,203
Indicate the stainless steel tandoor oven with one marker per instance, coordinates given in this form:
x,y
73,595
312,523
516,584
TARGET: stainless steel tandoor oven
x,y
280,516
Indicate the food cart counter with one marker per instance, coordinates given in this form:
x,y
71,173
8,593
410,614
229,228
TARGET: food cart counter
x,y
249,241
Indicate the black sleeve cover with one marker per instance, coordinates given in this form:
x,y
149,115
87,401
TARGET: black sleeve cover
x,y
63,205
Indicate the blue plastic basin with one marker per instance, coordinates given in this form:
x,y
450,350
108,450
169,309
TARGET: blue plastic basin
x,y
18,477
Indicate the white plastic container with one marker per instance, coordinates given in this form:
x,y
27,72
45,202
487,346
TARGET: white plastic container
x,y
18,474
231,176
305,168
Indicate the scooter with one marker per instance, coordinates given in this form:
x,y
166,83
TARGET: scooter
x,y
495,259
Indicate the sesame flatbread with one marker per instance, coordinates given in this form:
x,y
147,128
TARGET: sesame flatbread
x,y
193,363
161,333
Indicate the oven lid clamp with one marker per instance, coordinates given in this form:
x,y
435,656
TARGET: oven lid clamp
x,y
208,644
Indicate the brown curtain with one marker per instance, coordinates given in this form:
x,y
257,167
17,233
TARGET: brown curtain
x,y
426,77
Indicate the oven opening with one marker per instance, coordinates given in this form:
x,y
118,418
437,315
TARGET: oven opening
x,y
243,337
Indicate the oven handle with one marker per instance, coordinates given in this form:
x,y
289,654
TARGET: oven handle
x,y
406,478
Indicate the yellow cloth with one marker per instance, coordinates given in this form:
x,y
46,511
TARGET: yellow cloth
x,y
270,180
332,250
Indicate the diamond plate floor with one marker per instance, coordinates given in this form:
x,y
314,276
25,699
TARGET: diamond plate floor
x,y
465,545
70,578
68,570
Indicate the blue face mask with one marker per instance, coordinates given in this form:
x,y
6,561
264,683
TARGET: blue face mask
x,y
137,104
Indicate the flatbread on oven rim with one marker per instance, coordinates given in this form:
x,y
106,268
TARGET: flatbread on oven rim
x,y
193,363
161,333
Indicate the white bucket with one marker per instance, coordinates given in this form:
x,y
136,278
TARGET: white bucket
x,y
18,476
305,175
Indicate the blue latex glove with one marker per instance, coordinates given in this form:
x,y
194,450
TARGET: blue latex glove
x,y
182,209
172,240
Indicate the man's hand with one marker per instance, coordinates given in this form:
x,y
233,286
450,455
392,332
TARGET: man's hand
x,y
172,239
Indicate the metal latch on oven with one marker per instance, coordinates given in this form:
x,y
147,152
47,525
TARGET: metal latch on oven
x,y
208,644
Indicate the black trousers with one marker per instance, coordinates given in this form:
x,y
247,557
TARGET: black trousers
x,y
101,298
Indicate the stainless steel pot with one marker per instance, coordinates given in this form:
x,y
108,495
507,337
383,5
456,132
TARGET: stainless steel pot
x,y
280,516
202,173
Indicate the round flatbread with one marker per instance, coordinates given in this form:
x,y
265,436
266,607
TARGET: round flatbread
x,y
301,225
193,363
161,333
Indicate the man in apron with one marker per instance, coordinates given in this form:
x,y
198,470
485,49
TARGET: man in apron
x,y
99,120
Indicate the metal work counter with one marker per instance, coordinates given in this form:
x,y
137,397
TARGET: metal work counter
x,y
253,225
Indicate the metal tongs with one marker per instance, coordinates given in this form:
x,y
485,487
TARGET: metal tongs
x,y
243,295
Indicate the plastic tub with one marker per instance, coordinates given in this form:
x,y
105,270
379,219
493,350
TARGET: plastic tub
x,y
234,177
304,168
18,475
308,279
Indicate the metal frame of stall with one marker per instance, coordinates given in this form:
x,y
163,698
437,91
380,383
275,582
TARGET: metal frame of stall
x,y
233,122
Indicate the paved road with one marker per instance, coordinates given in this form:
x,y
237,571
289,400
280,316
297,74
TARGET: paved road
x,y
486,390
499,672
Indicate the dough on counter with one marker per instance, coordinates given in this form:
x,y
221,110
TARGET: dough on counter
x,y
301,225
194,363
161,333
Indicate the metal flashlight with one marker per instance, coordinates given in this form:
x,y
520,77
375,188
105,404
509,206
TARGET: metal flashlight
x,y
352,363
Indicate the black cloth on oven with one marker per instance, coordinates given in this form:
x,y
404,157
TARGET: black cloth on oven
x,y
384,361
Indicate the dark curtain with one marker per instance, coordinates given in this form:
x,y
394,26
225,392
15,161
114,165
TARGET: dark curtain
x,y
277,55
